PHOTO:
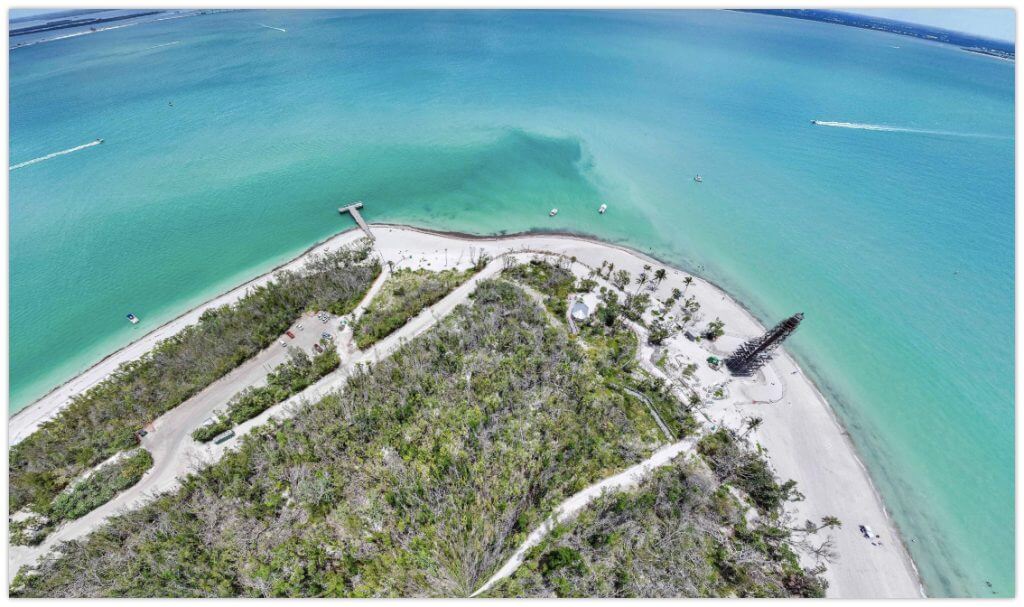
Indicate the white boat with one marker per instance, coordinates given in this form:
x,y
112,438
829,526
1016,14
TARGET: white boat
x,y
698,179
133,318
601,209
553,213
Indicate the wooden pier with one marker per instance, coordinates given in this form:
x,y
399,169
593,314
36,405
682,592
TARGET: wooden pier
x,y
354,210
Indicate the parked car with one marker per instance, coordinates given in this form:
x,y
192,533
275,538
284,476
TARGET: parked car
x,y
318,348
290,334
223,437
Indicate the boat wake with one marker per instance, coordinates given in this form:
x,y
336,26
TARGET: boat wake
x,y
162,45
271,27
55,154
899,129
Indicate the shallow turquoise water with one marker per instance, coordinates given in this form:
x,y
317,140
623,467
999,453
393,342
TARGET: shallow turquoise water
x,y
897,245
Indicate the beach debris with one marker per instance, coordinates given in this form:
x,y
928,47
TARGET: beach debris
x,y
753,355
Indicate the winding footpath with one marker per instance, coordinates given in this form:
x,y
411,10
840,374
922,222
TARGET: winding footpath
x,y
627,479
800,434
176,454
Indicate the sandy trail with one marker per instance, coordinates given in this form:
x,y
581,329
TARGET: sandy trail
x,y
176,454
627,479
27,420
803,439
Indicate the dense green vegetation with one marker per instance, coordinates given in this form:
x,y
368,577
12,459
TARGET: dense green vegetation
x,y
290,377
679,534
85,496
418,480
745,470
102,421
555,282
611,346
432,466
405,294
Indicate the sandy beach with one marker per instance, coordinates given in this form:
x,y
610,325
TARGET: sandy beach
x,y
802,437
27,420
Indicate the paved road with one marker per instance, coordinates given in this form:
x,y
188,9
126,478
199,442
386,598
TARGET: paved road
x,y
28,420
175,453
170,440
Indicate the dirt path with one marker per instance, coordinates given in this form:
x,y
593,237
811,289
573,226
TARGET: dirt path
x,y
627,479
175,453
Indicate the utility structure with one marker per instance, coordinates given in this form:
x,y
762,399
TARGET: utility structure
x,y
753,355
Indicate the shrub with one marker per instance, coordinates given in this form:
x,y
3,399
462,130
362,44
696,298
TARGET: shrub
x,y
103,420
289,378
405,294
100,486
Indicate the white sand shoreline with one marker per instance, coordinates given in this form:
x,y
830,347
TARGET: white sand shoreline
x,y
27,420
789,458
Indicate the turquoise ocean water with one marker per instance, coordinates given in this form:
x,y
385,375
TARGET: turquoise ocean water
x,y
898,245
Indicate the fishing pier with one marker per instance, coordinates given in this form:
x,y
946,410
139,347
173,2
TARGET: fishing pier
x,y
353,209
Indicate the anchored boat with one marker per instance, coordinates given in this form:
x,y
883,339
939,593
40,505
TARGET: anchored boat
x,y
553,213
601,209
133,318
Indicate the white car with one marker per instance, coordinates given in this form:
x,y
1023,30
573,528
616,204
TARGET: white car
x,y
282,343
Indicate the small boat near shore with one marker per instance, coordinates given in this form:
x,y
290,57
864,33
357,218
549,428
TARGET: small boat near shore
x,y
133,318
601,209
698,178
553,213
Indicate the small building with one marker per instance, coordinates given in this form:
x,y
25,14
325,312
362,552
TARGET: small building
x,y
579,311
690,336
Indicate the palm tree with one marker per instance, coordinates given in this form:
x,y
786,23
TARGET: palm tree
x,y
687,281
830,522
659,275
753,423
641,281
